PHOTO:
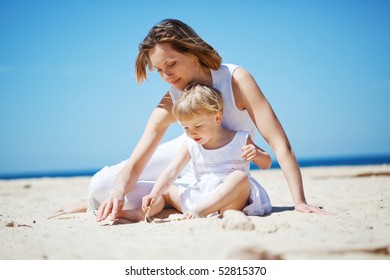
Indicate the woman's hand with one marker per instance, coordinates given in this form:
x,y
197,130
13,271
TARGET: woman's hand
x,y
307,208
112,205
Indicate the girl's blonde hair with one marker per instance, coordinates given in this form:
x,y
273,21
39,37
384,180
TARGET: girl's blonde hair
x,y
182,38
197,99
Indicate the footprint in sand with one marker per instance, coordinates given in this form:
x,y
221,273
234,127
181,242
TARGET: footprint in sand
x,y
12,223
236,220
253,254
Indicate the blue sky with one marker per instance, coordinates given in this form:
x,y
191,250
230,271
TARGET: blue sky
x,y
69,99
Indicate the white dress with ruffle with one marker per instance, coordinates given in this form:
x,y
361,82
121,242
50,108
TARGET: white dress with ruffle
x,y
211,167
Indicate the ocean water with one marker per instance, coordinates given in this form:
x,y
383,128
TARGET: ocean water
x,y
338,161
310,162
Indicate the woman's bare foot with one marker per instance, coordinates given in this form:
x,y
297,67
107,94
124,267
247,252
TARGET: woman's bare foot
x,y
74,207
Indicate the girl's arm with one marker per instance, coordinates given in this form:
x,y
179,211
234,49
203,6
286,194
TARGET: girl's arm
x,y
257,155
248,96
158,123
168,176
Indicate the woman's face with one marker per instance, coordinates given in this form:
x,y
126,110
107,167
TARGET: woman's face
x,y
174,67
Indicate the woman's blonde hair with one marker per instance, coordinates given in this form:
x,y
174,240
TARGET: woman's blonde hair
x,y
197,99
182,38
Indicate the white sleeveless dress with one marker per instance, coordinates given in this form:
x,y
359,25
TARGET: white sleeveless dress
x,y
233,118
211,167
102,182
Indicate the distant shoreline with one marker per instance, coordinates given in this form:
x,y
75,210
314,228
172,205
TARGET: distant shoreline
x,y
308,162
338,161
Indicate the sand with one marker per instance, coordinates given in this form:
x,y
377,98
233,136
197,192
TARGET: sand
x,y
360,229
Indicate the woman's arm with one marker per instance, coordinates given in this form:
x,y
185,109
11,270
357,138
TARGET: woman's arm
x,y
248,96
155,129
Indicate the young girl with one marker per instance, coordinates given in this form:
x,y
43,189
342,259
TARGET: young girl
x,y
220,159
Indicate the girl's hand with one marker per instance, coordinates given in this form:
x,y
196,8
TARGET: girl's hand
x,y
112,205
148,201
249,152
259,157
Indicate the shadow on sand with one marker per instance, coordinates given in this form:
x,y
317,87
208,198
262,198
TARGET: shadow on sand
x,y
278,209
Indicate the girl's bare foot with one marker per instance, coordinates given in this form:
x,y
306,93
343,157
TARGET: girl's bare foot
x,y
192,214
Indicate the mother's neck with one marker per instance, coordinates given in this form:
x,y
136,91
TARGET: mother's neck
x,y
204,76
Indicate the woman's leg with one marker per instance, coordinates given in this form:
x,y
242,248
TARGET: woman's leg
x,y
101,184
103,181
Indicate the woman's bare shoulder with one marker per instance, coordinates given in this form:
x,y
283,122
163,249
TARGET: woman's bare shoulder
x,y
242,84
241,75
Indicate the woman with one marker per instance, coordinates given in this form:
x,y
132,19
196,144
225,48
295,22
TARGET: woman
x,y
180,56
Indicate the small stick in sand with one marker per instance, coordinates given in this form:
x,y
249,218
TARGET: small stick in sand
x,y
148,218
56,215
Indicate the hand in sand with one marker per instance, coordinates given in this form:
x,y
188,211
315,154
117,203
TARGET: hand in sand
x,y
307,208
111,206
147,203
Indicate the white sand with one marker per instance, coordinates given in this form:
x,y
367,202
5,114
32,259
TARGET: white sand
x,y
359,230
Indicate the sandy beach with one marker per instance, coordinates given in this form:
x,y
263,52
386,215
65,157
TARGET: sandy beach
x,y
360,229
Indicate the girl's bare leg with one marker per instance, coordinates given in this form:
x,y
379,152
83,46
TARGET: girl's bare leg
x,y
172,197
157,207
135,215
232,194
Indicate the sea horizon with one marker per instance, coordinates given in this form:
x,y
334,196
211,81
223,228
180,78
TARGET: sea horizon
x,y
303,162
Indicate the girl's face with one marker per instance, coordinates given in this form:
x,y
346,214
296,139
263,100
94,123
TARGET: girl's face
x,y
203,128
174,67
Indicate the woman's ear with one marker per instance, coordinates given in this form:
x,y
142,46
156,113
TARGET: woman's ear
x,y
197,65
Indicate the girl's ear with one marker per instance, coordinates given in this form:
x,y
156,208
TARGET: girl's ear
x,y
218,118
